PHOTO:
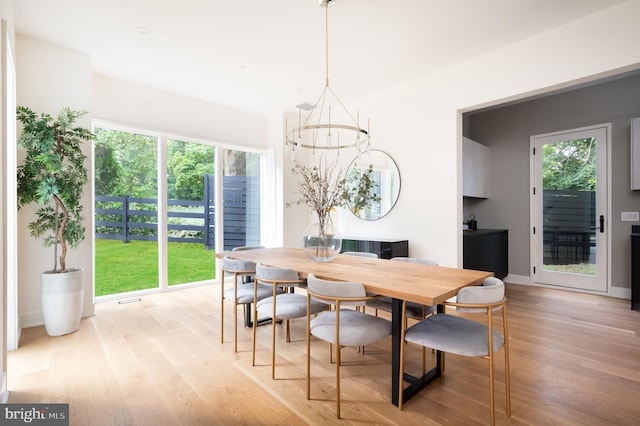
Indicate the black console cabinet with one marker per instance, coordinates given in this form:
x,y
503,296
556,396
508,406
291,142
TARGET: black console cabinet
x,y
635,267
487,250
385,249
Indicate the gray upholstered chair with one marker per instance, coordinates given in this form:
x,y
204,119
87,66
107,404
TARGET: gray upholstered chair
x,y
341,327
281,305
414,310
361,254
242,292
462,336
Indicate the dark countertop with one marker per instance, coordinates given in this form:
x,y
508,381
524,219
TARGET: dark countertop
x,y
481,232
380,240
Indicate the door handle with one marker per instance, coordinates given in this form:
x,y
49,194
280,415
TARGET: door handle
x,y
601,223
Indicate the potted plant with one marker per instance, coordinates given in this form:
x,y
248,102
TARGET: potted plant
x,y
53,176
323,187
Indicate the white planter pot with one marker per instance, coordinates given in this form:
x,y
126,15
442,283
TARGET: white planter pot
x,y
62,300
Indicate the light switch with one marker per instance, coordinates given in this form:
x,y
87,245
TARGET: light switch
x,y
630,216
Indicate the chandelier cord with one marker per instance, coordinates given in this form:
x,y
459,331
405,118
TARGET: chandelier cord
x,y
327,86
326,43
293,137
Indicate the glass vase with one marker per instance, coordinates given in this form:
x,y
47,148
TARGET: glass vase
x,y
322,242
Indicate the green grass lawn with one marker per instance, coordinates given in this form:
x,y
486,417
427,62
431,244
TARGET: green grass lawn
x,y
580,268
133,266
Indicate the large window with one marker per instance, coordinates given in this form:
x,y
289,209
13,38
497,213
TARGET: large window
x,y
126,221
189,166
153,234
241,191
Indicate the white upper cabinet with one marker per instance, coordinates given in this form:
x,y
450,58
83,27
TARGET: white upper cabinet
x,y
475,169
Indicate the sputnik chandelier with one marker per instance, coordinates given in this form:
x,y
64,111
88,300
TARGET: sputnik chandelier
x,y
328,124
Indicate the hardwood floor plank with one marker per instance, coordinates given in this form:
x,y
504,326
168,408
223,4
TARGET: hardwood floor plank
x,y
575,360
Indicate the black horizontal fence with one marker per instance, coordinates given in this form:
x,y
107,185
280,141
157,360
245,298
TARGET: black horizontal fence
x,y
569,224
241,211
130,218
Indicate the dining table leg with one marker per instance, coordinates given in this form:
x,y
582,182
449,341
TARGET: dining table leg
x,y
396,330
415,383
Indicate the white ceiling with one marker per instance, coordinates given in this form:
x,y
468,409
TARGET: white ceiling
x,y
269,55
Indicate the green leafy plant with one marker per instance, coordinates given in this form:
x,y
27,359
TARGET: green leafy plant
x,y
324,187
53,175
362,188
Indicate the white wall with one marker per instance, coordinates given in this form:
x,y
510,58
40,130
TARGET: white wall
x,y
419,124
7,16
151,109
50,78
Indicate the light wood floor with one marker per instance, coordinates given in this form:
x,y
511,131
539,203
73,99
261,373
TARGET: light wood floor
x,y
575,359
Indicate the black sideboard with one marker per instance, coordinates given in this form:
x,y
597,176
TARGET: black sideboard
x,y
486,250
635,267
384,248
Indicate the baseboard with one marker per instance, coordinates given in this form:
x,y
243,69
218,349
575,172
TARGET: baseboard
x,y
4,393
36,319
517,279
621,293
31,320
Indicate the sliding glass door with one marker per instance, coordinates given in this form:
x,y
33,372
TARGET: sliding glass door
x,y
156,232
189,165
126,211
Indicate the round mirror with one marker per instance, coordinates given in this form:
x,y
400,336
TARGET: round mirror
x,y
386,178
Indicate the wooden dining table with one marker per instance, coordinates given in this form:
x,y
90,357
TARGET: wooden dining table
x,y
414,282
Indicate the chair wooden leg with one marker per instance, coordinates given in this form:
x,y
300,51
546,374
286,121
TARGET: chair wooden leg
x,y
491,371
255,328
491,391
273,338
507,381
235,312
222,310
235,326
337,381
337,345
506,360
308,349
